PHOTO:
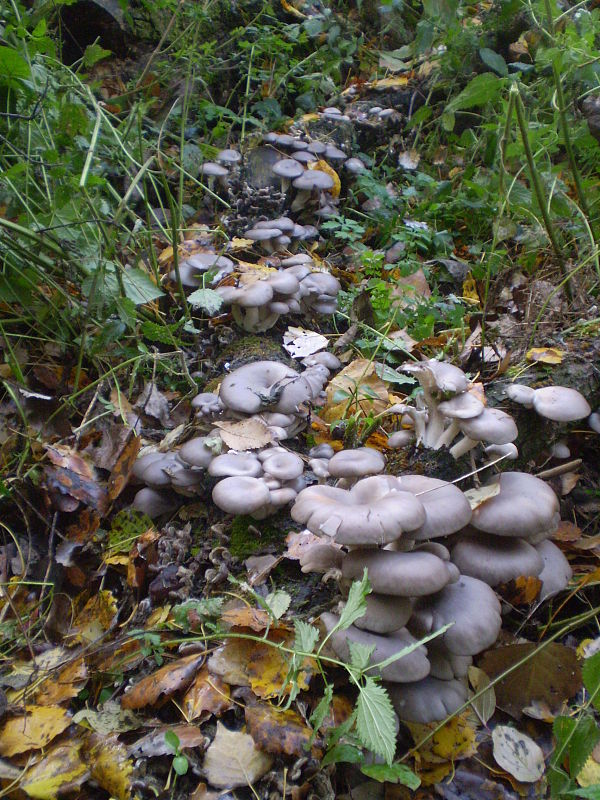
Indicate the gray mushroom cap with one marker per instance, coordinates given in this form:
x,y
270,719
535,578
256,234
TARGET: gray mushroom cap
x,y
403,574
213,170
365,515
303,157
284,466
447,510
284,224
247,295
556,572
411,667
288,168
264,384
262,234
400,439
154,471
154,503
495,559
561,404
356,463
333,153
470,605
323,450
492,425
240,495
385,613
206,403
429,700
143,462
324,357
520,393
444,664
196,452
354,165
462,406
439,375
525,507
313,179
228,156
228,464
316,147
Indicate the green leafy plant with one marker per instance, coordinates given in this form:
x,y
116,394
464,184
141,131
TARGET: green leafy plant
x,y
180,762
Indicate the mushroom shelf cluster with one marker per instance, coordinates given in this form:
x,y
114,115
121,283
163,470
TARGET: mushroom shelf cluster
x,y
431,561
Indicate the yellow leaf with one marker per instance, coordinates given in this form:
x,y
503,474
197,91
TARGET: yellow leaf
x,y
389,83
110,766
454,741
95,618
469,291
357,388
291,10
60,771
590,773
309,117
547,355
32,730
64,685
240,244
323,166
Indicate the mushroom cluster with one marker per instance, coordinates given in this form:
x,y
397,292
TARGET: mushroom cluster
x,y
385,524
446,408
279,398
557,403
262,296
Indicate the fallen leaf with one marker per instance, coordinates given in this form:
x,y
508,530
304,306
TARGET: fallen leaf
x,y
277,731
521,591
538,709
482,494
485,705
70,475
233,760
32,730
247,617
518,754
240,244
260,567
121,471
292,10
153,403
546,355
469,291
454,741
95,618
323,166
110,718
551,675
301,343
154,743
249,434
207,695
61,771
110,766
566,532
589,775
67,683
388,83
163,683
356,388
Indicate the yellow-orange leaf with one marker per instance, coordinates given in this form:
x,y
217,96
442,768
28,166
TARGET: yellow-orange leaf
x,y
110,766
546,355
163,683
61,770
32,730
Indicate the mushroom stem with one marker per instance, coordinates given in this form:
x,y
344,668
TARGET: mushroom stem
x,y
417,415
463,446
447,436
435,426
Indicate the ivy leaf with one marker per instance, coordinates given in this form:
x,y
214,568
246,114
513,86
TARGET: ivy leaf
x,y
392,773
207,299
375,720
356,605
306,636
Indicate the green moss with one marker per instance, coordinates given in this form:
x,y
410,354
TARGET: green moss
x,y
244,541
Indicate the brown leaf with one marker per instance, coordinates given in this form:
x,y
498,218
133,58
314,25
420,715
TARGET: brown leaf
x,y
566,532
521,591
153,403
277,731
163,683
246,617
249,434
546,355
121,470
69,681
550,675
233,760
364,391
32,730
95,618
154,743
72,475
207,695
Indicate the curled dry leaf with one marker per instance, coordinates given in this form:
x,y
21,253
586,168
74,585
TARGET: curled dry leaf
x,y
246,617
550,674
70,475
482,494
248,434
518,754
233,760
34,729
277,731
301,343
207,695
163,683
61,770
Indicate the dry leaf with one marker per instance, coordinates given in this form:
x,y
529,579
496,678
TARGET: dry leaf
x,y
207,695
60,771
247,617
277,731
355,388
388,83
233,760
110,718
454,741
521,591
323,166
69,681
566,532
518,754
249,434
154,743
551,675
72,476
32,730
110,766
95,618
547,355
485,705
482,494
301,343
589,775
162,684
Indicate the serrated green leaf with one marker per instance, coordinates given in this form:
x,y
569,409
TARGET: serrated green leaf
x,y
587,793
392,773
306,636
494,61
575,737
342,754
376,720
159,333
360,654
94,53
206,299
591,678
317,718
481,90
278,603
12,67
139,287
356,604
